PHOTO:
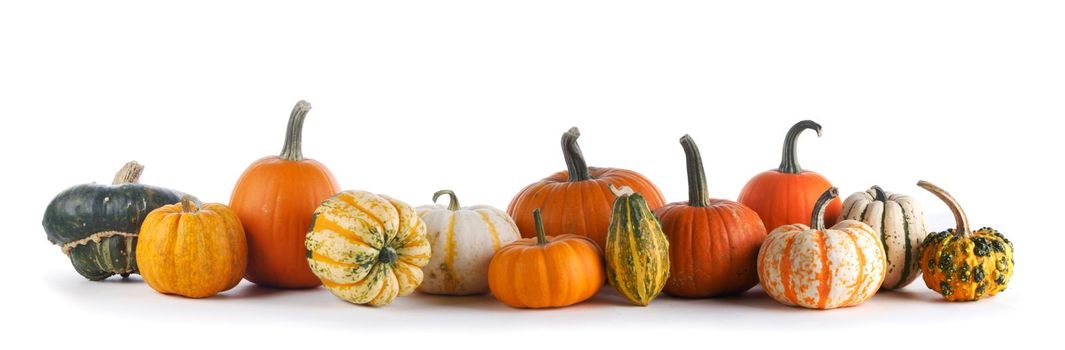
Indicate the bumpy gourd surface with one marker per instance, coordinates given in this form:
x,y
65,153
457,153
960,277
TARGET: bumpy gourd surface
x,y
463,242
367,248
967,268
900,224
822,269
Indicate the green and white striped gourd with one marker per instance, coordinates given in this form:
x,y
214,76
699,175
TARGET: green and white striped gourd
x,y
900,224
637,251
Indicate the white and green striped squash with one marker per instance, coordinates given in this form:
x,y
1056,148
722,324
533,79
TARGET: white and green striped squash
x,y
900,224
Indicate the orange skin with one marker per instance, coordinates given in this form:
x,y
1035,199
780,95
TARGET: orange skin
x,y
783,199
275,199
566,270
581,206
713,250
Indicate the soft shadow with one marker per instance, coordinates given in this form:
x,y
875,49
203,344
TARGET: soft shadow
x,y
908,295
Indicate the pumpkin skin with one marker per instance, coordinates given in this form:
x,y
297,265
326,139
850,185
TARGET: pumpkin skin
x,y
274,200
97,225
463,241
785,195
822,268
961,265
367,248
900,224
713,243
637,251
546,272
191,251
577,200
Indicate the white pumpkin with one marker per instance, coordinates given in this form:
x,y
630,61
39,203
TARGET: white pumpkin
x,y
900,225
463,241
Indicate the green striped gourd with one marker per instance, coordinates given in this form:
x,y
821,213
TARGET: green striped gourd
x,y
637,251
900,224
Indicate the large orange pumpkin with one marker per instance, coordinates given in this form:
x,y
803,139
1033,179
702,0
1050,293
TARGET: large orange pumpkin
x,y
713,243
545,272
578,199
785,195
275,198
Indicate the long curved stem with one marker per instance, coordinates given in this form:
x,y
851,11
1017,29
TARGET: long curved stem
x,y
129,174
453,204
789,162
960,218
575,164
541,237
881,196
293,149
698,195
817,221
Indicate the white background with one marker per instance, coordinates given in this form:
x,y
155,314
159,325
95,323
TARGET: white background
x,y
411,97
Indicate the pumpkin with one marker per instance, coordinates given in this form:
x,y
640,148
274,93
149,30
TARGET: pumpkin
x,y
964,265
367,248
820,268
547,271
463,241
274,200
192,251
577,200
900,224
637,251
784,195
97,225
713,243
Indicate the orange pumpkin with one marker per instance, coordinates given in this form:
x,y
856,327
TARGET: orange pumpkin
x,y
785,195
546,271
713,243
578,199
275,198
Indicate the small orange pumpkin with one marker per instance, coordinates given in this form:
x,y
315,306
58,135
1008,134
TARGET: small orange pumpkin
x,y
785,195
713,243
578,199
546,271
190,251
275,198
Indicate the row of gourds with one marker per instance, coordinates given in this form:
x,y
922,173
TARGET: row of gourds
x,y
288,225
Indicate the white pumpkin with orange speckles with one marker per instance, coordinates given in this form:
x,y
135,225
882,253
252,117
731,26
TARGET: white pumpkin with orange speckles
x,y
822,268
463,241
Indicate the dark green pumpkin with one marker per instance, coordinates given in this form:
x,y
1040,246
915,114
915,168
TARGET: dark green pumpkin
x,y
96,225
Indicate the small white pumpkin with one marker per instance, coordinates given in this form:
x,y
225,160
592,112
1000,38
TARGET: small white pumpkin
x,y
463,242
899,223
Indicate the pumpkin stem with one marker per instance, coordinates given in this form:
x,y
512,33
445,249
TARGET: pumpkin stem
x,y
293,149
541,237
789,164
698,195
129,174
622,191
817,222
187,205
453,205
960,219
881,196
576,167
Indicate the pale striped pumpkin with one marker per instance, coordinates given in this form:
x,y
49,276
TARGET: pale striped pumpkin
x,y
637,251
463,241
899,223
822,268
367,248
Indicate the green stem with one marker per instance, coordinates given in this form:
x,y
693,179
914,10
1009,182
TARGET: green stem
x,y
698,195
129,174
960,219
789,163
293,149
817,221
881,196
453,205
541,237
575,164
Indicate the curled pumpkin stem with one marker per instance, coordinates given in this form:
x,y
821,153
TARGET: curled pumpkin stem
x,y
789,163
453,203
817,222
576,167
960,219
